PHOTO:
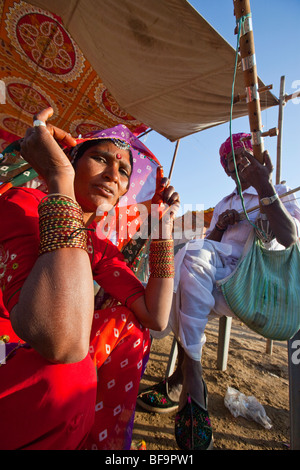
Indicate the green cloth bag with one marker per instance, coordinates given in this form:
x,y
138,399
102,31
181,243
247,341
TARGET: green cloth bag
x,y
264,290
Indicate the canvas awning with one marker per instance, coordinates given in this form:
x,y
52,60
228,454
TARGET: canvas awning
x,y
99,63
40,66
161,60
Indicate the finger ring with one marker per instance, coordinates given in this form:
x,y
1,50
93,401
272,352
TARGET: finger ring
x,y
245,166
38,123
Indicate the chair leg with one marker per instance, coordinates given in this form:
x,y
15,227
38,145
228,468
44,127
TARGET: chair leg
x,y
223,347
223,342
172,358
294,390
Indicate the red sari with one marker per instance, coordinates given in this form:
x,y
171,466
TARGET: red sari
x,y
86,405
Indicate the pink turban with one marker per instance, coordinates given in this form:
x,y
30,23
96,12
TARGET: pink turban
x,y
240,140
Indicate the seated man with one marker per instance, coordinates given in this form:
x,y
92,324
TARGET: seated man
x,y
199,265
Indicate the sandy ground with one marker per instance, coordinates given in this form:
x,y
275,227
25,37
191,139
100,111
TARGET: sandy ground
x,y
250,369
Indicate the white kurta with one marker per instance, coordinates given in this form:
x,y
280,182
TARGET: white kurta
x,y
200,263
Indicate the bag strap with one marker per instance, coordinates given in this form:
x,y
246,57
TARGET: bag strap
x,y
248,245
247,248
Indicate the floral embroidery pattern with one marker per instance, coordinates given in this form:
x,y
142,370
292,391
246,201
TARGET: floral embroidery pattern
x,y
8,265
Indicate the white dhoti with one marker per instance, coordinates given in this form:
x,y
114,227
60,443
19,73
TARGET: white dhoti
x,y
198,265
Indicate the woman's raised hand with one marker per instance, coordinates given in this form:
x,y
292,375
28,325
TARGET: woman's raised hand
x,y
167,201
40,148
62,137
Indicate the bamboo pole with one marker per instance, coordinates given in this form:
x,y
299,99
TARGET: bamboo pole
x,y
269,345
255,208
240,97
280,124
173,160
242,13
293,96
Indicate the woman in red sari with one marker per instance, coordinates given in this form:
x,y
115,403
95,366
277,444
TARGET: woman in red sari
x,y
70,376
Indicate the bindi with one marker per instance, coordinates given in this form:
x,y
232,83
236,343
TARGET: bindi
x,y
118,156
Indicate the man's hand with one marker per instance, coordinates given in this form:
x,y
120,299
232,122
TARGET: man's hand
x,y
229,217
258,175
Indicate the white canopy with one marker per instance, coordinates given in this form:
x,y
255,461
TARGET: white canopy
x,y
160,59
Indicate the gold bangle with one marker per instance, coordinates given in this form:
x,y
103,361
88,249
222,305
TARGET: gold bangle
x,y
61,224
59,195
163,241
161,259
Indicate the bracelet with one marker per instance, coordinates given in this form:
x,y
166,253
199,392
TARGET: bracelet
x,y
61,224
4,339
161,259
59,195
220,229
266,201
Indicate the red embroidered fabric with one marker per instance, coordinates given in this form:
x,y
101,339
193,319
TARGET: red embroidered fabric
x,y
65,406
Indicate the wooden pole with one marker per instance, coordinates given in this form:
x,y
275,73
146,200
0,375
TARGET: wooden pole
x,y
240,97
223,342
174,158
242,13
242,215
280,124
292,96
269,345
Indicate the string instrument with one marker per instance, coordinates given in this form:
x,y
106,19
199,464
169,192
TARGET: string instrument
x,y
243,16
242,12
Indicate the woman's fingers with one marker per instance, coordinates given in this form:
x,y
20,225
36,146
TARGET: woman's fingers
x,y
159,176
43,115
59,135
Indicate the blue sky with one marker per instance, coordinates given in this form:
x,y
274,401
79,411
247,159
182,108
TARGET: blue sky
x,y
198,175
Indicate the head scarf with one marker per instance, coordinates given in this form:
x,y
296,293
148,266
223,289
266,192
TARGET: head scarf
x,y
14,171
240,140
144,162
142,182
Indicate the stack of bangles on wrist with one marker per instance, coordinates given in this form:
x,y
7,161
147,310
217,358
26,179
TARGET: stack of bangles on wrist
x,y
61,224
161,259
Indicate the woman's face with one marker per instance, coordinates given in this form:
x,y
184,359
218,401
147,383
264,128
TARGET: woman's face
x,y
102,176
